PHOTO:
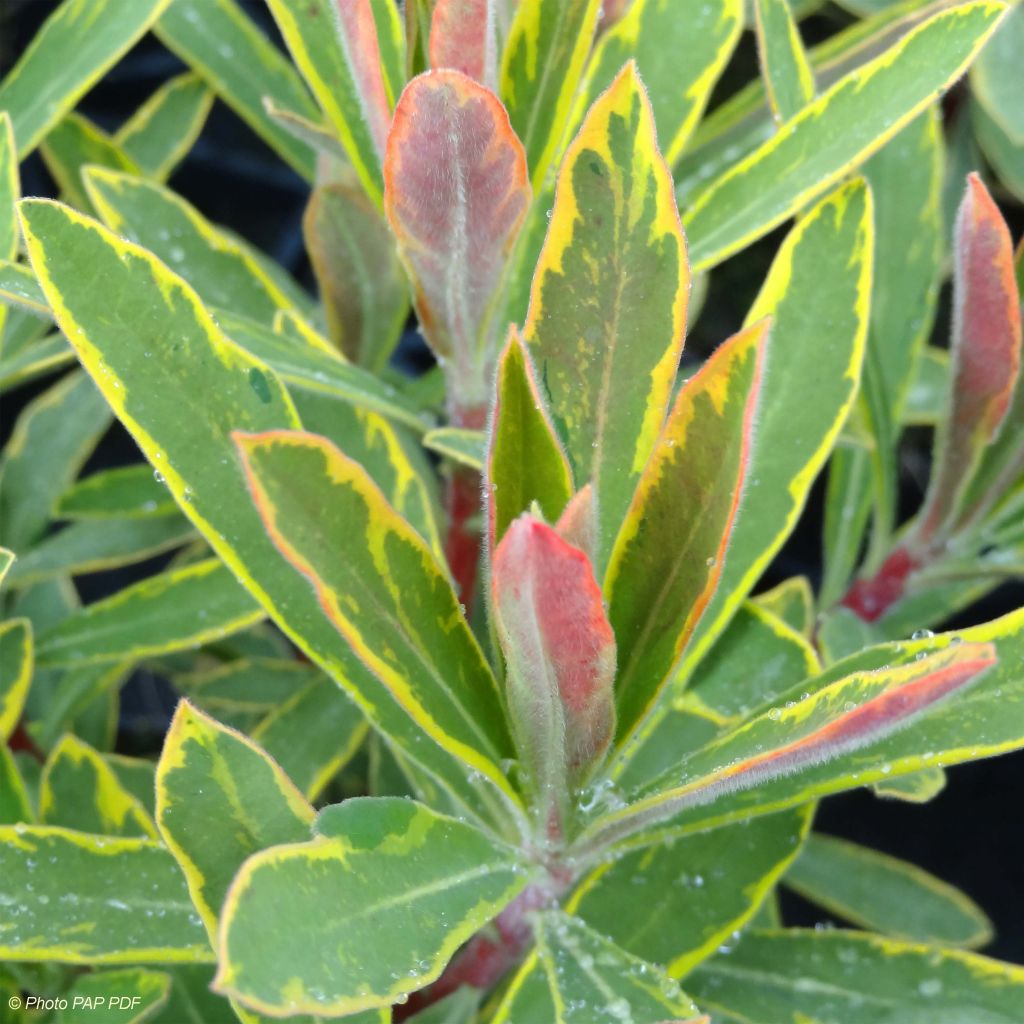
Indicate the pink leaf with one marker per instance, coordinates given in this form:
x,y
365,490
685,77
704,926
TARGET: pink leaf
x,y
463,37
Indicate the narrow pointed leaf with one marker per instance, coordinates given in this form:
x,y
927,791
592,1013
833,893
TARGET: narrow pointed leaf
x,y
544,54
787,72
576,972
608,302
220,270
127,492
15,672
985,355
317,370
79,790
251,684
793,602
857,979
159,134
172,611
10,191
335,48
94,545
65,58
15,805
525,459
380,586
58,429
463,36
220,799
313,734
676,904
121,885
840,129
560,654
466,447
422,883
183,420
455,194
361,281
885,894
72,145
680,48
779,745
667,558
18,287
219,40
821,274
34,360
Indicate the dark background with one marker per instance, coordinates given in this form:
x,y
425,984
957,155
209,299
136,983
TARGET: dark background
x,y
972,834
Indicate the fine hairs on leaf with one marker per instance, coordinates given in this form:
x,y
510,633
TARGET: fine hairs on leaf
x,y
410,605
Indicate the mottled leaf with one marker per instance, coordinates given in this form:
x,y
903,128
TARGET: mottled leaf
x,y
425,881
668,555
608,302
131,903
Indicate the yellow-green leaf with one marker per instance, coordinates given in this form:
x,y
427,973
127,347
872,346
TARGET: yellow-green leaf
x,y
15,672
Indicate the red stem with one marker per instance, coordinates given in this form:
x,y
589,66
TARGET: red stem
x,y
871,598
462,543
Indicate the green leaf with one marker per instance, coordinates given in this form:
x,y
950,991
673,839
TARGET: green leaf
x,y
251,684
15,672
455,193
315,369
361,281
772,756
577,973
668,555
465,447
131,903
885,894
221,799
18,287
128,492
218,267
680,49
171,611
821,274
928,395
34,360
525,459
93,545
70,146
857,979
313,734
425,881
74,696
136,775
996,77
788,77
159,134
10,190
127,996
847,512
73,49
57,430
915,788
675,904
393,461
757,659
79,790
543,59
906,183
835,133
192,1001
608,302
14,799
384,591
335,48
242,66
1004,152
182,420
793,602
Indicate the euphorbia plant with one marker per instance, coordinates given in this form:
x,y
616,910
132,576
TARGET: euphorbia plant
x,y
576,755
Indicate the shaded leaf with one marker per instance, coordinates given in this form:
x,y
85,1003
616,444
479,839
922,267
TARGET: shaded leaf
x,y
147,992
15,672
123,493
788,77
